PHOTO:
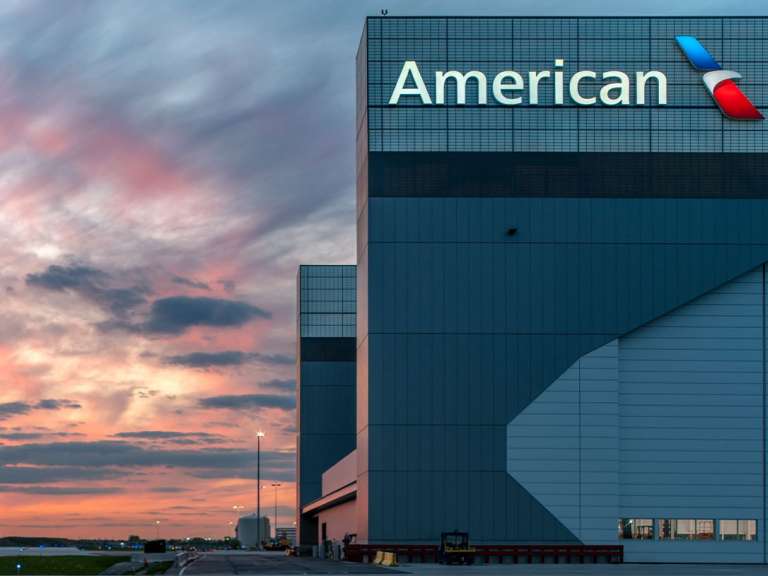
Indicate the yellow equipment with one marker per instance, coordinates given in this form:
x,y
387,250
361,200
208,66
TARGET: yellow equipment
x,y
455,548
390,559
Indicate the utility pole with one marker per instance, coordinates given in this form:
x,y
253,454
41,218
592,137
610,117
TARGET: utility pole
x,y
275,485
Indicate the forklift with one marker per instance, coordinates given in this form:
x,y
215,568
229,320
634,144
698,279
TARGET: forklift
x,y
455,548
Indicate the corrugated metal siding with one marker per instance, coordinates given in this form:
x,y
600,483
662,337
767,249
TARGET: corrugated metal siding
x,y
666,422
563,448
690,397
467,326
599,444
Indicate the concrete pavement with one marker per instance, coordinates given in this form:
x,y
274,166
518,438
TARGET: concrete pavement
x,y
590,569
276,563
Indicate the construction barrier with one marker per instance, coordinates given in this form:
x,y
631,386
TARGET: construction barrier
x,y
405,552
390,559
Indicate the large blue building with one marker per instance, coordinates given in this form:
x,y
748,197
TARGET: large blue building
x,y
561,321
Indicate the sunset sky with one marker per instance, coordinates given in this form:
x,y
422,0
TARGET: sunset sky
x,y
164,168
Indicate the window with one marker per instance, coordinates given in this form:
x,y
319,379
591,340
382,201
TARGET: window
x,y
673,529
705,529
676,529
738,530
636,529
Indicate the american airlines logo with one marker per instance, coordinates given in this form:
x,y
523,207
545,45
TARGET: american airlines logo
x,y
585,87
720,83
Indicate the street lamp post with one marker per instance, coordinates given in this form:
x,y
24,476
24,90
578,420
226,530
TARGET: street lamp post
x,y
259,436
275,486
157,529
236,509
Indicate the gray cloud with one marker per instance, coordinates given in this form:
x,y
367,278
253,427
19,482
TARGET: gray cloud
x,y
247,473
280,385
91,284
209,359
226,358
289,429
168,489
156,434
21,435
54,404
190,283
173,437
109,453
37,474
66,278
63,490
175,314
9,409
248,402
17,436
171,315
279,359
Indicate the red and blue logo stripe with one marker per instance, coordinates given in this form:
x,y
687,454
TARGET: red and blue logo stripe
x,y
732,102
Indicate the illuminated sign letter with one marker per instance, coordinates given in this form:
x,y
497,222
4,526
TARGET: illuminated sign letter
x,y
410,68
499,87
661,84
559,63
622,86
573,88
533,85
461,86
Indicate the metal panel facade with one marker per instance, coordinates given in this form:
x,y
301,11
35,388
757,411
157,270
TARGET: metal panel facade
x,y
564,447
691,403
325,379
665,422
689,122
462,325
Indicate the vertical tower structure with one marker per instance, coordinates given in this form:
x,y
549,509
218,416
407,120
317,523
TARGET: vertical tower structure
x,y
325,380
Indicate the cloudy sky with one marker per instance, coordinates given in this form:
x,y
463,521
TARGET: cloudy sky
x,y
164,168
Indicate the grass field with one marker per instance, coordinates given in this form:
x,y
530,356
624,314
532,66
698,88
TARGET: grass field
x,y
63,565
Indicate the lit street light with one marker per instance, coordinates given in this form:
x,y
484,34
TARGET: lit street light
x,y
259,436
157,529
275,485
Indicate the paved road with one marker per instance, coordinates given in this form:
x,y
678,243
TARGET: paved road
x,y
275,564
589,569
278,564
